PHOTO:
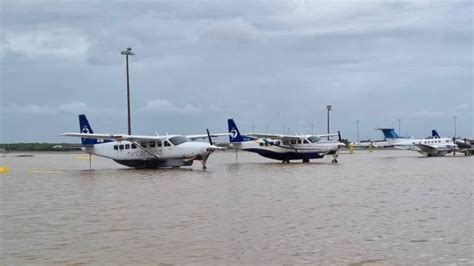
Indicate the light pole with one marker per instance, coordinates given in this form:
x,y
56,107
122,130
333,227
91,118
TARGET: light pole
x,y
399,127
358,141
329,107
455,125
127,53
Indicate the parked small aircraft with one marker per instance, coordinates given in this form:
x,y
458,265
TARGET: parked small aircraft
x,y
146,151
463,145
426,146
284,147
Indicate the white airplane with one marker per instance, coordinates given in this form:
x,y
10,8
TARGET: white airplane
x,y
463,145
426,146
146,151
369,144
284,147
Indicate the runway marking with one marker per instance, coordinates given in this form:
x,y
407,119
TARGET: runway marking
x,y
83,158
45,172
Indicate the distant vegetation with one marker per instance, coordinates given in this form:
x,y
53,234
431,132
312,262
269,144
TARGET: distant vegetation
x,y
39,147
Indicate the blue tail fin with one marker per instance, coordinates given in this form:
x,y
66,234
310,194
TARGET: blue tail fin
x,y
235,133
85,128
389,133
435,134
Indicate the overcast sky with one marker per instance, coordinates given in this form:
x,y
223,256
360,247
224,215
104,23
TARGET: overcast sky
x,y
271,64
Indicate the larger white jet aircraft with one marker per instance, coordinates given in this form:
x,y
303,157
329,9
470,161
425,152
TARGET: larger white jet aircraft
x,y
146,151
285,147
426,146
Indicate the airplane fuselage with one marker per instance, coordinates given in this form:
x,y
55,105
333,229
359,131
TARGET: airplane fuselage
x,y
277,150
439,146
151,154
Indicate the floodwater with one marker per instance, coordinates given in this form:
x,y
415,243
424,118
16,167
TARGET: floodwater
x,y
384,207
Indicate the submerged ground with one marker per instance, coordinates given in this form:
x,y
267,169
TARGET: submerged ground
x,y
388,207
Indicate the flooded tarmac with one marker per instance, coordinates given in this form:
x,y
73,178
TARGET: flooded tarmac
x,y
385,207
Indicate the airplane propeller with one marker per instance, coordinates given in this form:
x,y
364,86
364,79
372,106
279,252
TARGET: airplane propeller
x,y
209,136
454,146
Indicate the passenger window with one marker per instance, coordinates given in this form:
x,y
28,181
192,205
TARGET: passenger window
x,y
277,143
159,143
115,147
261,144
299,141
293,141
134,146
121,147
167,144
143,144
285,142
127,146
152,144
305,142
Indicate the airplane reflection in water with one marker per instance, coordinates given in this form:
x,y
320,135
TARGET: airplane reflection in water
x,y
284,147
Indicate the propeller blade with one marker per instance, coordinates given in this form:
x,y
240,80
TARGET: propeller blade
x,y
454,147
209,136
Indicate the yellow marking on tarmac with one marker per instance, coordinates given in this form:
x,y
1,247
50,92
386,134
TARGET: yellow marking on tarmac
x,y
45,172
4,170
83,158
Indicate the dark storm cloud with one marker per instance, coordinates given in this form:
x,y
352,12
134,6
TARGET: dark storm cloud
x,y
265,63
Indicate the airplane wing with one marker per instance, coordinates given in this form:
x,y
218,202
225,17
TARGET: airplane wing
x,y
204,136
273,136
426,148
285,137
116,137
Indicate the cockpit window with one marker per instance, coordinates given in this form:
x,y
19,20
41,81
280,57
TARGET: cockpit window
x,y
314,139
178,140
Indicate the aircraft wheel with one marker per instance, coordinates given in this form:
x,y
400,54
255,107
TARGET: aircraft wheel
x,y
334,161
305,160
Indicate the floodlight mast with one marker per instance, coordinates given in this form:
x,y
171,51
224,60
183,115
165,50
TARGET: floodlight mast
x,y
127,53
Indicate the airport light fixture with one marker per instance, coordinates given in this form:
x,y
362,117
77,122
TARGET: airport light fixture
x,y
358,141
329,108
399,126
127,53
455,125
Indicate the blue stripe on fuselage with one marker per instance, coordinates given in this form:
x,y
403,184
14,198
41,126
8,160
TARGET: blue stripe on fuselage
x,y
286,155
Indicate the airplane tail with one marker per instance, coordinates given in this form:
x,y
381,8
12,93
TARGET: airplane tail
x,y
235,135
85,128
389,133
435,134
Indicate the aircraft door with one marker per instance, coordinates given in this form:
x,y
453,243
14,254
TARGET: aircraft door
x,y
167,149
159,148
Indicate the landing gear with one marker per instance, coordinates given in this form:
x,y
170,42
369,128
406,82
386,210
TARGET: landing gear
x,y
204,160
305,160
285,161
334,156
334,161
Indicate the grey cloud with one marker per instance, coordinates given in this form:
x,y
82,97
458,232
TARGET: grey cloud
x,y
262,62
